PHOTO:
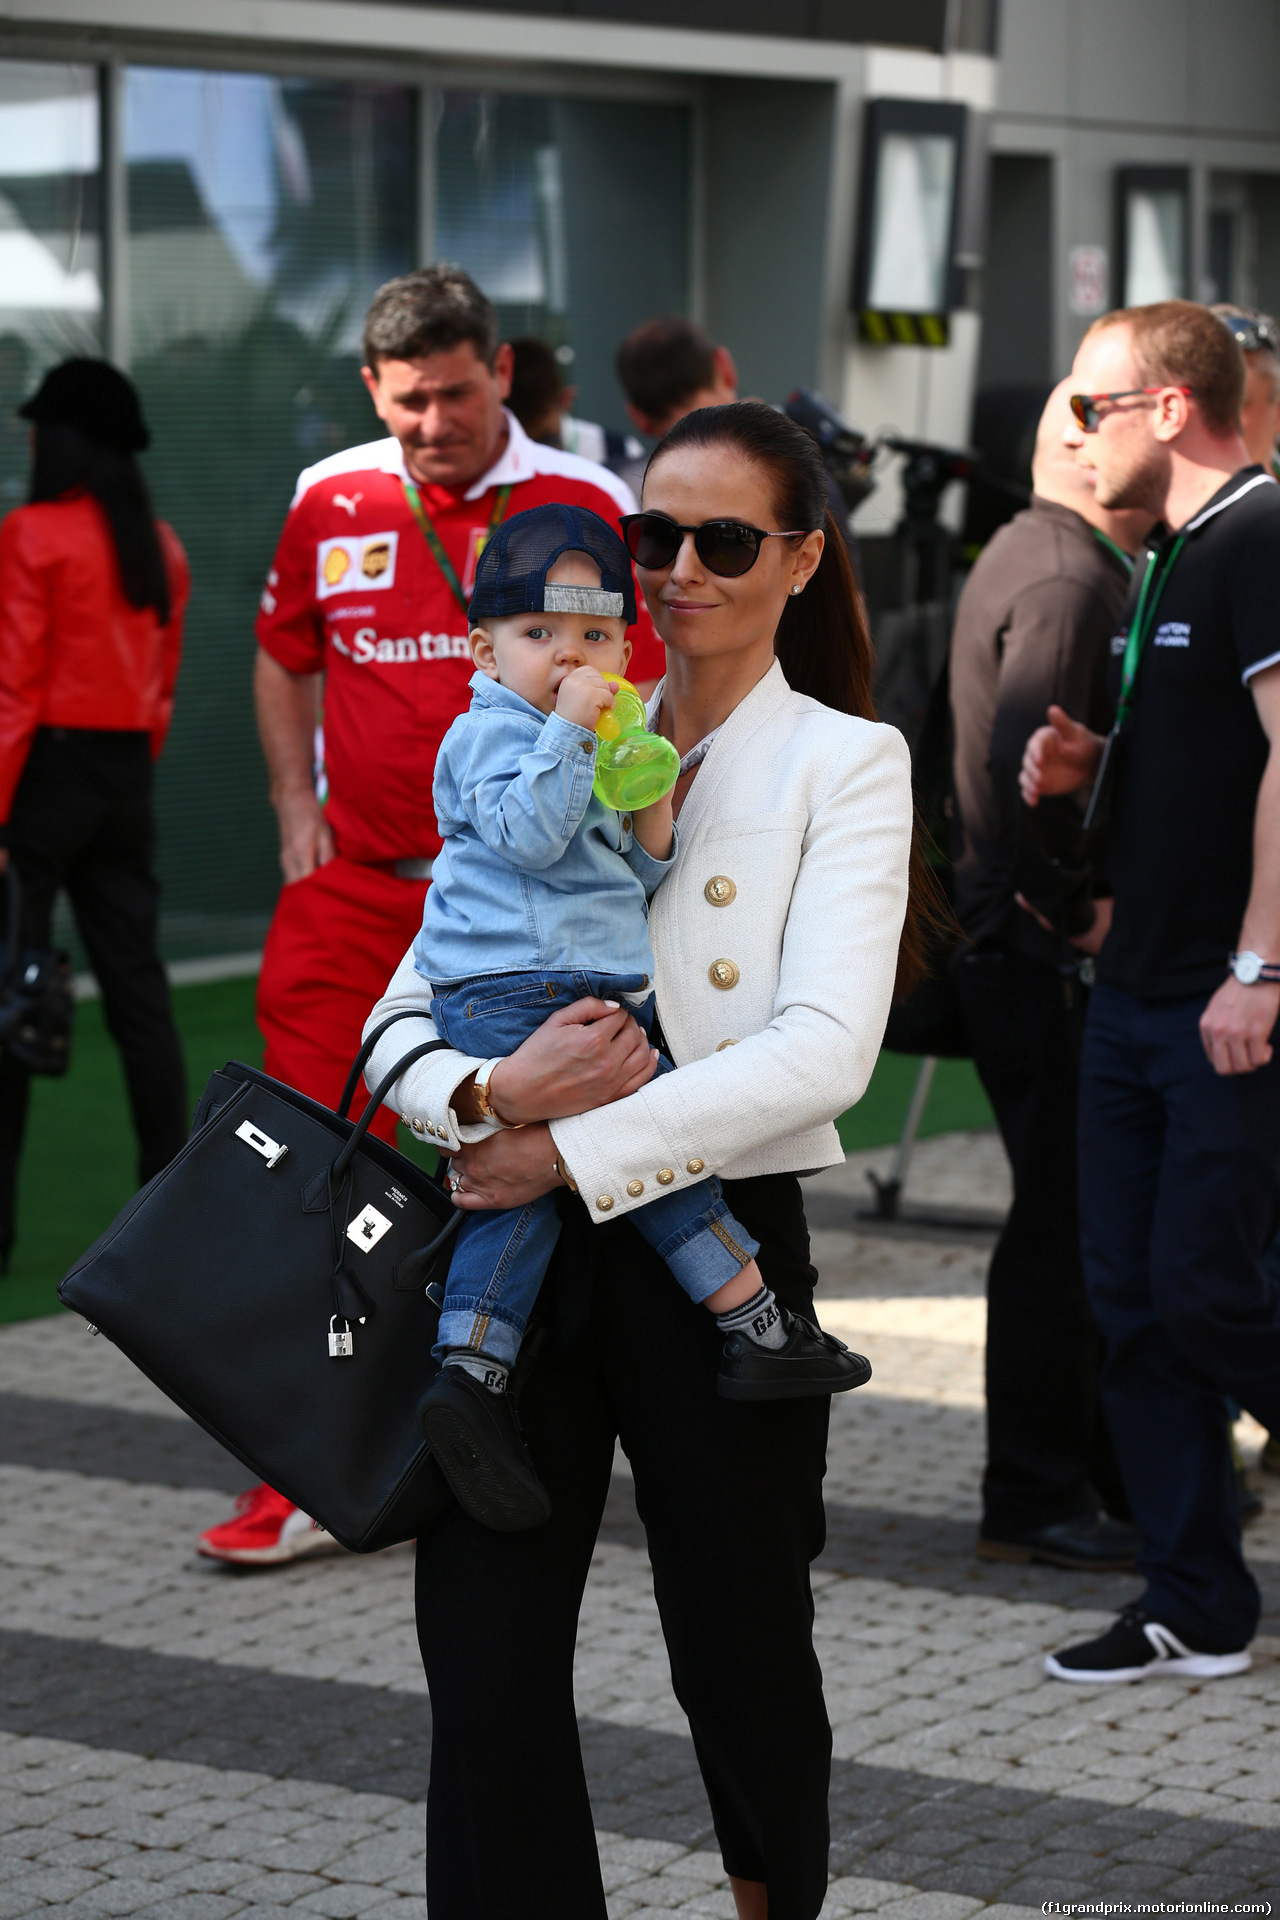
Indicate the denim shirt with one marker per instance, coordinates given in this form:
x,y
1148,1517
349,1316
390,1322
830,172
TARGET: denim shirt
x,y
534,871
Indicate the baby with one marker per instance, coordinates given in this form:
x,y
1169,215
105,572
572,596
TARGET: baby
x,y
539,897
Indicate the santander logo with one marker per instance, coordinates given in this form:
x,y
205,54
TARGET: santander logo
x,y
366,648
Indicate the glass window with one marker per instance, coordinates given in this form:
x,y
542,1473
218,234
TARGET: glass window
x,y
262,214
1155,245
50,293
573,215
915,186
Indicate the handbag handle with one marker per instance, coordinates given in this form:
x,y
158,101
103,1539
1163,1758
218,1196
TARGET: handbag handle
x,y
366,1049
339,1168
350,1298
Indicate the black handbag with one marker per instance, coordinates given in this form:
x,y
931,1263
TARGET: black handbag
x,y
279,1281
36,1006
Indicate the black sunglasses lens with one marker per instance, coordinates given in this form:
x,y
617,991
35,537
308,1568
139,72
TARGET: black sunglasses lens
x,y
726,547
652,541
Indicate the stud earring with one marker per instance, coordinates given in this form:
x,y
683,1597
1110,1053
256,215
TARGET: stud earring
x,y
797,589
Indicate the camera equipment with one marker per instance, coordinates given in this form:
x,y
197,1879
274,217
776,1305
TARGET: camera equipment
x,y
928,470
36,1007
912,623
847,452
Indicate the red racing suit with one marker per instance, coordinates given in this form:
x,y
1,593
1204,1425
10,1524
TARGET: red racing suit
x,y
355,592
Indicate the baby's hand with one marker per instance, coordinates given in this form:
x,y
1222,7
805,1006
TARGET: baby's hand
x,y
583,696
653,829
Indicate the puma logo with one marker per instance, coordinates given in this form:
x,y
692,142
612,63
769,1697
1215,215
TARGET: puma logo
x,y
348,501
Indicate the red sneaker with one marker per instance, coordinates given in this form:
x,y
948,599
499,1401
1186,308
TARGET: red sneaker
x,y
266,1530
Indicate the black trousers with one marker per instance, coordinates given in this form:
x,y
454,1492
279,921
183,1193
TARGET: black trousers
x,y
1180,1201
1049,1454
82,819
731,1500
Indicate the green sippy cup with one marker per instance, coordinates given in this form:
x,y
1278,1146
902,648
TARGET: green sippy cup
x,y
633,766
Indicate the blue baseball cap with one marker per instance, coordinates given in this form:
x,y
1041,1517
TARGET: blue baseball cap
x,y
511,577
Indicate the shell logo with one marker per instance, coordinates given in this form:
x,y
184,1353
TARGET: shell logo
x,y
356,563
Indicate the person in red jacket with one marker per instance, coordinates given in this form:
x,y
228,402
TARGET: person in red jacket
x,y
93,589
363,624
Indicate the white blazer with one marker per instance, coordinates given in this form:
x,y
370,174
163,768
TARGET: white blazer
x,y
775,939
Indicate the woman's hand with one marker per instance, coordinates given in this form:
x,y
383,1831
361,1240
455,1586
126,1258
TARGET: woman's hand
x,y
584,1056
506,1170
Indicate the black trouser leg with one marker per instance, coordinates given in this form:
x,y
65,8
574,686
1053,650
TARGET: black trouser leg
x,y
731,1499
39,861
115,898
1044,1423
1180,1189
82,819
509,1827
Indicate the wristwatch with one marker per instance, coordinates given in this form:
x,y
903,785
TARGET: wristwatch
x,y
1250,968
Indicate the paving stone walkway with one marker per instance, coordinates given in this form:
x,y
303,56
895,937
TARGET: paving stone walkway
x,y
184,1742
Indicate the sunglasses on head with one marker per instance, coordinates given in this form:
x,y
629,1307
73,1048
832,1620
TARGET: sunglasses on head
x,y
1252,332
727,547
1085,405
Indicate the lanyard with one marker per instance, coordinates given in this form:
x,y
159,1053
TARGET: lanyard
x,y
1118,553
436,544
1144,619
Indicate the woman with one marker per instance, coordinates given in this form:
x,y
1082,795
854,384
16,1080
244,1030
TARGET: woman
x,y
776,940
92,594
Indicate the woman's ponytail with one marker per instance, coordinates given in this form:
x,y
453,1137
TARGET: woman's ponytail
x,y
68,460
823,642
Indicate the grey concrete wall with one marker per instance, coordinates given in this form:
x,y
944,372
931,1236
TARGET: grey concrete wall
x,y
626,180
767,179
1094,85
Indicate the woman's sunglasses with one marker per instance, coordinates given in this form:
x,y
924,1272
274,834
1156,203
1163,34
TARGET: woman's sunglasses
x,y
727,547
1085,405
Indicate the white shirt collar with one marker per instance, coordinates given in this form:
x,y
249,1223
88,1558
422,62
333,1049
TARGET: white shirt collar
x,y
514,464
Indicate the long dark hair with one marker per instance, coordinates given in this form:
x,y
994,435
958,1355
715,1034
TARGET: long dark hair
x,y
66,461
823,642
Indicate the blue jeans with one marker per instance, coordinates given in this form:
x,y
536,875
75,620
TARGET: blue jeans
x,y
499,1259
1179,1202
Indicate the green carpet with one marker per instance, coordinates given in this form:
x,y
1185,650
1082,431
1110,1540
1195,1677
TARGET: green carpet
x,y
78,1168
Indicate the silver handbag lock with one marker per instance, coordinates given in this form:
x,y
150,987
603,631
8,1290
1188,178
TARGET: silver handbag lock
x,y
342,1346
271,1150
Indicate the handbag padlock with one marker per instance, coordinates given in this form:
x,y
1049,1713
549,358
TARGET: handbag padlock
x,y
342,1346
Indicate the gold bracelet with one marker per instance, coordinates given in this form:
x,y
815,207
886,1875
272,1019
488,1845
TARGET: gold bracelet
x,y
480,1087
558,1166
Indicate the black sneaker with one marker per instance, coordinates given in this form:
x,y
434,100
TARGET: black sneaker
x,y
476,1442
808,1362
1137,1646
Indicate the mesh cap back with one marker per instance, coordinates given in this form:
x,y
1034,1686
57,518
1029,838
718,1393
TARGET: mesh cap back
x,y
511,577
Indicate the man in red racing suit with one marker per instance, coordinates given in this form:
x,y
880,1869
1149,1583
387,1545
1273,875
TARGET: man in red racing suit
x,y
363,624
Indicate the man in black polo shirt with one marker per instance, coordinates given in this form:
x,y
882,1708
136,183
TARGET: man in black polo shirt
x,y
1180,1089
